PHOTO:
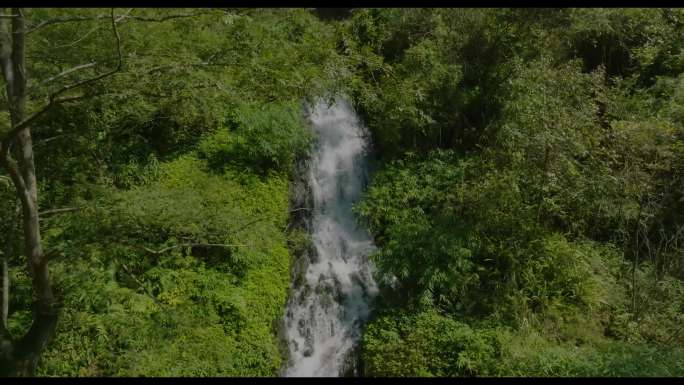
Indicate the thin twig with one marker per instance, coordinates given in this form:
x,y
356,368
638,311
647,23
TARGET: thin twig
x,y
26,122
190,245
60,20
260,219
249,224
54,98
675,334
50,139
140,284
300,209
58,211
67,72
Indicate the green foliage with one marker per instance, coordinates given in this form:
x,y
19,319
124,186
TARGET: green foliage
x,y
643,42
439,223
191,310
429,344
260,138
532,355
552,206
527,207
189,147
431,78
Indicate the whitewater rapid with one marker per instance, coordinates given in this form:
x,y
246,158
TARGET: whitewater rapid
x,y
325,314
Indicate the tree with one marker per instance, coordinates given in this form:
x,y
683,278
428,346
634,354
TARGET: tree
x,y
19,356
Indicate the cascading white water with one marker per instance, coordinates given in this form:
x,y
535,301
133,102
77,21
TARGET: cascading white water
x,y
325,315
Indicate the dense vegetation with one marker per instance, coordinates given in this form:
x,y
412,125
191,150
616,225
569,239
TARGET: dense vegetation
x,y
527,204
528,210
176,261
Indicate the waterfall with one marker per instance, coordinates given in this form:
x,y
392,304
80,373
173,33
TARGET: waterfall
x,y
325,314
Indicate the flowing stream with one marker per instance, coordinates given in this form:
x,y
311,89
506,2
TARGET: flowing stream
x,y
325,314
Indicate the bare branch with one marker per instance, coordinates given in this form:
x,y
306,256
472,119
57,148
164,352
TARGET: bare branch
x,y
58,211
13,170
263,218
190,245
54,98
168,17
209,62
80,39
50,139
69,71
27,122
140,284
85,35
101,76
59,20
72,19
249,224
299,209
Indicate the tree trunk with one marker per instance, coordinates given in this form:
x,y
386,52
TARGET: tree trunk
x,y
20,356
8,252
635,262
5,292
